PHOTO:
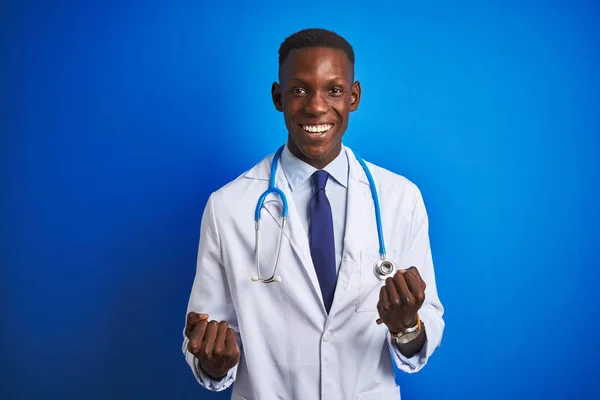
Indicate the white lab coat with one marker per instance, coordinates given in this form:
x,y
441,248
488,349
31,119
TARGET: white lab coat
x,y
290,348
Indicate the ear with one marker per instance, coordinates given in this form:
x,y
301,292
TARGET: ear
x,y
276,95
355,96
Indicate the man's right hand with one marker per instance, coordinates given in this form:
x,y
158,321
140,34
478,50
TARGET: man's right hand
x,y
213,344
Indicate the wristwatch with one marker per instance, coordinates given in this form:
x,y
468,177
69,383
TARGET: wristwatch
x,y
408,334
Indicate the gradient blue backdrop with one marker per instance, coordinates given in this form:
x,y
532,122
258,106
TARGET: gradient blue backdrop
x,y
119,118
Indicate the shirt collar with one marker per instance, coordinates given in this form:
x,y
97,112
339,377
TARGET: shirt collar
x,y
298,172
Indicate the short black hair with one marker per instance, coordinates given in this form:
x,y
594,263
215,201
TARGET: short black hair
x,y
314,37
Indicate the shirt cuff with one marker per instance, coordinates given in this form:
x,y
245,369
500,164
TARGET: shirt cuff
x,y
207,381
419,360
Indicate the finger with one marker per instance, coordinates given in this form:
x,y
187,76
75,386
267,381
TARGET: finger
x,y
230,339
415,271
393,295
383,305
197,337
192,319
220,339
232,346
208,344
406,298
384,298
415,286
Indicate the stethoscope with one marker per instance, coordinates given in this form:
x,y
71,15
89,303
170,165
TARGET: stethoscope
x,y
383,268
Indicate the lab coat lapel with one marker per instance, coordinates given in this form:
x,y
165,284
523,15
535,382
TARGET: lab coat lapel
x,y
360,229
361,226
294,232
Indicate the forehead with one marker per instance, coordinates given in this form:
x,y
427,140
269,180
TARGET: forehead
x,y
316,63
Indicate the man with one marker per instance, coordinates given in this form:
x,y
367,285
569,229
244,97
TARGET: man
x,y
329,329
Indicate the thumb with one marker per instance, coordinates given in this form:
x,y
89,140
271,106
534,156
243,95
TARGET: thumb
x,y
200,317
194,317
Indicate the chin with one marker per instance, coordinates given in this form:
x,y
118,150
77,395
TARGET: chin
x,y
316,146
317,152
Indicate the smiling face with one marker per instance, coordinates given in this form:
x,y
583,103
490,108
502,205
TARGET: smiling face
x,y
316,94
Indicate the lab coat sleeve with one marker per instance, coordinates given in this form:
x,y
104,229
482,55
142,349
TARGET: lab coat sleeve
x,y
210,294
418,254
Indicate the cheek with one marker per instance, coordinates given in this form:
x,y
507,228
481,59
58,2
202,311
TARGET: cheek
x,y
342,109
342,104
291,108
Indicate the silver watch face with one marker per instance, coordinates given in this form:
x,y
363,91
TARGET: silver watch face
x,y
407,337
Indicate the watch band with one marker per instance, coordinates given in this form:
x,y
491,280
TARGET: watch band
x,y
408,334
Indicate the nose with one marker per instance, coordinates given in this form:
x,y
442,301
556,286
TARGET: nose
x,y
317,104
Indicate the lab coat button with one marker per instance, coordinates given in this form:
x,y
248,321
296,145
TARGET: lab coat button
x,y
326,336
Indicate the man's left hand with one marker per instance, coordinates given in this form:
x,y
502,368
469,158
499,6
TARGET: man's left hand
x,y
400,300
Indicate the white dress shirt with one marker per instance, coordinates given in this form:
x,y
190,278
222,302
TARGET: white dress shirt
x,y
299,178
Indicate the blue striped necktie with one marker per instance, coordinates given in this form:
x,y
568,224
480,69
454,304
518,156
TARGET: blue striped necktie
x,y
322,245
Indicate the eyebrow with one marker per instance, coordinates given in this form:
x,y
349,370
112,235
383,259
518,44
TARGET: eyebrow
x,y
329,81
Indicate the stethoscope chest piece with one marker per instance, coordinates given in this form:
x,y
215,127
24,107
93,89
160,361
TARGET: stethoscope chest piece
x,y
384,268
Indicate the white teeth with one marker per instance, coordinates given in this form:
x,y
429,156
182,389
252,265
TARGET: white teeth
x,y
317,128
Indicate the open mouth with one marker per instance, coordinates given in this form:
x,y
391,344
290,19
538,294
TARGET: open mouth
x,y
316,130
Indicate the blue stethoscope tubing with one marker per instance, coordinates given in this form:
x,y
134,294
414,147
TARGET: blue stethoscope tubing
x,y
382,268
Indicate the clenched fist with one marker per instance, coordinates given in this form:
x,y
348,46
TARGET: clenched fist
x,y
213,344
400,300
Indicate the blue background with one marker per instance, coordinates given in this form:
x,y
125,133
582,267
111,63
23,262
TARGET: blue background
x,y
119,118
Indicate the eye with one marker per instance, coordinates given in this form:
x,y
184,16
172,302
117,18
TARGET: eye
x,y
298,90
336,90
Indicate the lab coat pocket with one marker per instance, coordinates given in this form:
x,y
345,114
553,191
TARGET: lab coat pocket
x,y
370,285
380,393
